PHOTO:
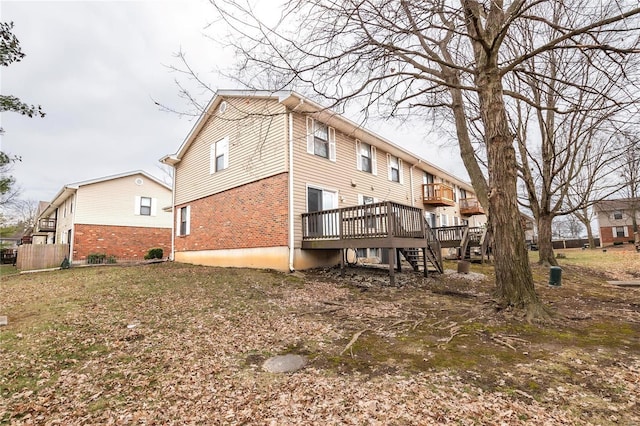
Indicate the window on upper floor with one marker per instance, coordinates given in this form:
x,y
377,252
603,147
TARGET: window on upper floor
x,y
183,225
219,156
366,158
427,178
321,139
145,206
617,215
394,165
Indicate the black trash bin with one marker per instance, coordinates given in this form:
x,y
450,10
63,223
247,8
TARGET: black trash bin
x,y
555,276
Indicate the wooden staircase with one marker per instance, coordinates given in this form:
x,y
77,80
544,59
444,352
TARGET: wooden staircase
x,y
429,257
475,237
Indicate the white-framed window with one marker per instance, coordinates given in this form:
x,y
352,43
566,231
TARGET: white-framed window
x,y
617,215
427,178
320,199
456,221
219,156
145,206
444,220
463,194
431,219
394,165
321,139
366,158
370,212
620,231
183,221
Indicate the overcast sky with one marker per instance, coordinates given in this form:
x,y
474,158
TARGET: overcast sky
x,y
96,68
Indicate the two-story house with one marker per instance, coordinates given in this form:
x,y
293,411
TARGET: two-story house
x,y
615,219
257,165
122,216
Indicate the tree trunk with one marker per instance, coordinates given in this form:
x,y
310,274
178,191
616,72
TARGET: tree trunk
x,y
514,281
546,255
592,241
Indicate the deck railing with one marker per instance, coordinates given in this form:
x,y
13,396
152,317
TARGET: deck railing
x,y
47,225
437,194
470,206
377,220
450,233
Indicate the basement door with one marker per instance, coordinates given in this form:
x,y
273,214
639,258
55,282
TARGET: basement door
x,y
319,200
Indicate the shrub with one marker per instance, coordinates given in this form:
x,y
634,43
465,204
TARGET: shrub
x,y
111,259
617,243
96,258
154,253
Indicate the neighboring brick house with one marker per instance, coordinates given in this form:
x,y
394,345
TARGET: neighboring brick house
x,y
615,220
255,162
123,216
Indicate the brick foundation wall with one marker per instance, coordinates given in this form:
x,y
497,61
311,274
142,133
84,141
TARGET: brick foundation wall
x,y
606,236
252,215
123,242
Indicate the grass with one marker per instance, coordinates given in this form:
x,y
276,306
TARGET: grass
x,y
172,343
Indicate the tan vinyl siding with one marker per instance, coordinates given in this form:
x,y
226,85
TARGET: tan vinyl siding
x,y
344,177
341,175
257,132
65,219
113,202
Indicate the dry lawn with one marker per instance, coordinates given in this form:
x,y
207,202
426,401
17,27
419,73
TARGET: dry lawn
x,y
180,344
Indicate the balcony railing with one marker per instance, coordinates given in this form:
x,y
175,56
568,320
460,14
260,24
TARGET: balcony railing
x,y
47,225
437,194
470,207
378,220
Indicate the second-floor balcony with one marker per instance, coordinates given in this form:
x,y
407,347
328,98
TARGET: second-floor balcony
x,y
470,207
437,194
47,225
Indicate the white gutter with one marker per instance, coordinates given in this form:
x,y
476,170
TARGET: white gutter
x,y
291,218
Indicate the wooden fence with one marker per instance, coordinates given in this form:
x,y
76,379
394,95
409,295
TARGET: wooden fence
x,y
41,256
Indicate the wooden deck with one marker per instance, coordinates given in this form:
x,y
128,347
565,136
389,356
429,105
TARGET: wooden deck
x,y
396,227
399,228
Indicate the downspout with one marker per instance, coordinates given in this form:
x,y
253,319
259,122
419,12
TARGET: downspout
x,y
173,214
291,227
291,218
411,181
73,226
411,184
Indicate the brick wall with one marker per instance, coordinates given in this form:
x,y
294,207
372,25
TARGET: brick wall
x,y
606,235
123,242
252,215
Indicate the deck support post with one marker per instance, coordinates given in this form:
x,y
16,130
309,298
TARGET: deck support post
x,y
398,264
392,279
342,255
424,261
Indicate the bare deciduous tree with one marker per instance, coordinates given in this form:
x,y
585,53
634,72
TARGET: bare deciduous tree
x,y
571,104
445,56
630,174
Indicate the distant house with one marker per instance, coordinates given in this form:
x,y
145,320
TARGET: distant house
x,y
615,219
276,180
122,216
